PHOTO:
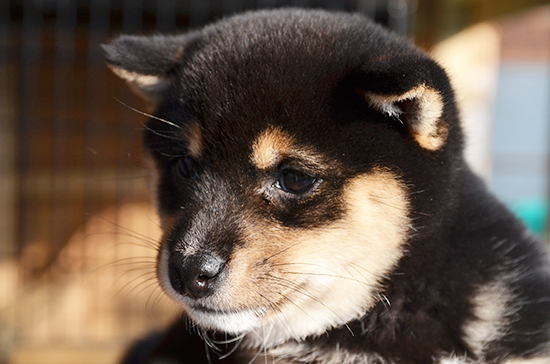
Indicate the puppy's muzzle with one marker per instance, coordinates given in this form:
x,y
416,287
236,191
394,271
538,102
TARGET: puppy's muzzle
x,y
195,276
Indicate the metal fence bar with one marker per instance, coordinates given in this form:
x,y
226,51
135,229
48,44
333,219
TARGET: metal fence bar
x,y
28,124
7,138
166,15
132,16
66,209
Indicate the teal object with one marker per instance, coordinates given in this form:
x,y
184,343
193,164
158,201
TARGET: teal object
x,y
534,212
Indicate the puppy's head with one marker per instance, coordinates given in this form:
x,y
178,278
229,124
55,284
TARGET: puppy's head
x,y
296,154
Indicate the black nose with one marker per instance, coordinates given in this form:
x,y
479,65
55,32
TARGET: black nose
x,y
194,276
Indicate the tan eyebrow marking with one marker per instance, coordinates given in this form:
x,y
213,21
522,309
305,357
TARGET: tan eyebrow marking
x,y
270,146
194,139
274,144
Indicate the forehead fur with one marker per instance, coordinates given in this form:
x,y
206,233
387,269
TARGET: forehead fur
x,y
270,51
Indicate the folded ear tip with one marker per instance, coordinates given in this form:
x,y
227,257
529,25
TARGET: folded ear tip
x,y
145,62
109,52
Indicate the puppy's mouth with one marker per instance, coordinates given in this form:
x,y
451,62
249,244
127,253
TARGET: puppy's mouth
x,y
231,321
206,310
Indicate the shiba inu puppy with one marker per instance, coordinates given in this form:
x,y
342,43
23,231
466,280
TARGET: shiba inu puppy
x,y
316,206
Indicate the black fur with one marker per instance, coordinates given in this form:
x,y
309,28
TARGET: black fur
x,y
305,72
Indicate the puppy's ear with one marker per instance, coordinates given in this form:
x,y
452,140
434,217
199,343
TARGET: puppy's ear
x,y
411,91
147,63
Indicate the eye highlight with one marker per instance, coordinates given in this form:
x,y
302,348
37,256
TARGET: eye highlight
x,y
294,181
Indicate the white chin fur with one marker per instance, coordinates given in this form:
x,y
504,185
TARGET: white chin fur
x,y
233,323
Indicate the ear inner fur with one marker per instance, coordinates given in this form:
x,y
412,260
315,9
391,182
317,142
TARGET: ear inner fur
x,y
424,121
140,80
148,87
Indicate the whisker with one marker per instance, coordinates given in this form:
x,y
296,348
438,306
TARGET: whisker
x,y
142,242
148,115
210,342
277,310
124,231
296,288
207,350
234,348
159,295
286,298
148,283
280,252
329,275
145,264
169,135
130,271
259,350
354,267
229,341
145,287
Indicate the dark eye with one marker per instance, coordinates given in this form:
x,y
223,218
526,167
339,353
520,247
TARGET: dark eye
x,y
294,181
185,168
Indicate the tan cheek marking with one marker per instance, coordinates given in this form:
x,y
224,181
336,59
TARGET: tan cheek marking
x,y
313,270
425,124
194,140
269,147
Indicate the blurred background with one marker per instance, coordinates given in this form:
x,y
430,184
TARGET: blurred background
x,y
77,233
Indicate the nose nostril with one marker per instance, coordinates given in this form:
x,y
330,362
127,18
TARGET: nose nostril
x,y
194,276
208,268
